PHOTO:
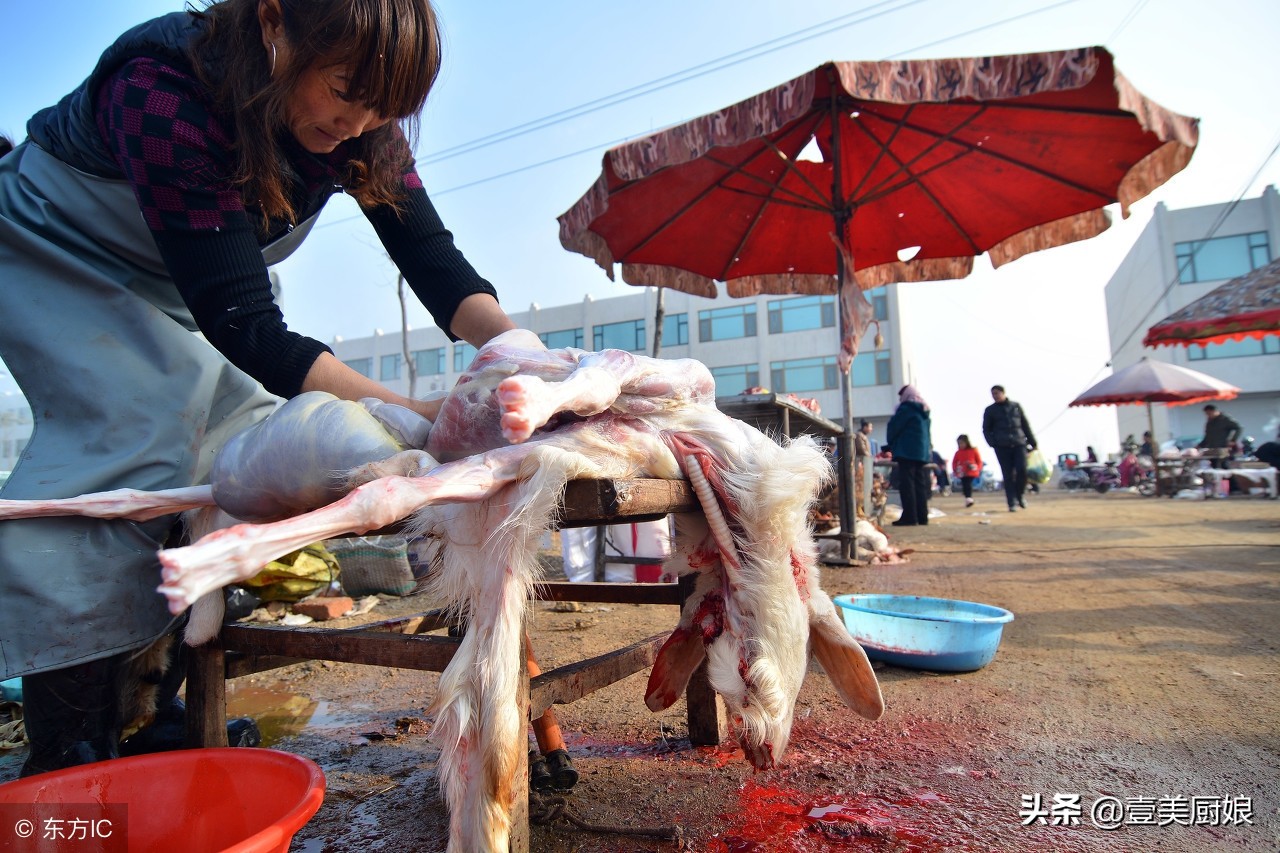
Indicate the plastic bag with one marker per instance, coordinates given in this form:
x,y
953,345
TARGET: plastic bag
x,y
1038,468
374,564
295,576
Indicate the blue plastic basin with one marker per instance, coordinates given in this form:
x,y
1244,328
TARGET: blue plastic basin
x,y
915,631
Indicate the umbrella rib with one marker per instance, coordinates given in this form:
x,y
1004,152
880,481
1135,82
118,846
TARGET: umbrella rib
x,y
975,149
734,169
771,197
790,166
909,177
904,168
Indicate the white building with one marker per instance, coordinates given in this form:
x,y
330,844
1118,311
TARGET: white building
x,y
1180,256
15,429
785,344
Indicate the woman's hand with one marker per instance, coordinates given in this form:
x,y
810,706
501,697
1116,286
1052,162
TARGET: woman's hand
x,y
331,375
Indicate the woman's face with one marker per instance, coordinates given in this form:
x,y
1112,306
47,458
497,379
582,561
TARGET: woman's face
x,y
320,115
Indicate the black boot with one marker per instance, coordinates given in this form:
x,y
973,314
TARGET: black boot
x,y
169,728
169,731
71,716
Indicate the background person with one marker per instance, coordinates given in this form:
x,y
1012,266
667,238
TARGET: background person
x,y
908,433
967,465
198,151
1005,428
865,449
940,474
1220,430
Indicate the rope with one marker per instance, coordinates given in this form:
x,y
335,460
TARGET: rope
x,y
547,811
12,734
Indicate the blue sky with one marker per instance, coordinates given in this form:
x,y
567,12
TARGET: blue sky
x,y
1037,325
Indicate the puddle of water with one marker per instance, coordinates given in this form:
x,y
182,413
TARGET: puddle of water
x,y
278,714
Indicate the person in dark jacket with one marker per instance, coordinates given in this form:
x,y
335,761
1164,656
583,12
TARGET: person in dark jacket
x,y
908,433
1005,428
1220,430
144,206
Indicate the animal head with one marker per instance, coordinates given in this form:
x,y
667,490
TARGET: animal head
x,y
758,611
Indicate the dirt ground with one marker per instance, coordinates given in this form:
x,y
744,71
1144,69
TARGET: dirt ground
x,y
1141,666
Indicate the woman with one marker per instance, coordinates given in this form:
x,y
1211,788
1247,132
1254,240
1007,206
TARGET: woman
x,y
908,434
967,465
147,205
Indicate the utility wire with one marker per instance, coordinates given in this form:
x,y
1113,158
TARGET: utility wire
x,y
1218,222
441,156
691,73
1128,19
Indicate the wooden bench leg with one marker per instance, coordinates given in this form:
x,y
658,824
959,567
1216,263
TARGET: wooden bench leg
x,y
519,841
705,709
207,695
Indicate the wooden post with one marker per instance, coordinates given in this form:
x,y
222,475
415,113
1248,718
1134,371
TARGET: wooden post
x,y
519,842
703,706
207,695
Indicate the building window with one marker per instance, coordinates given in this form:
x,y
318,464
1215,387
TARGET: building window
x,y
870,368
363,366
1235,349
879,300
428,362
675,330
389,368
735,379
801,314
463,355
724,324
804,374
563,338
1221,257
627,335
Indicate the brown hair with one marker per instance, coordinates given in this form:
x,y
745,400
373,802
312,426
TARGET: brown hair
x,y
392,50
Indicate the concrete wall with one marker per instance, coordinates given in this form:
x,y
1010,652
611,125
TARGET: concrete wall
x,y
874,402
1145,289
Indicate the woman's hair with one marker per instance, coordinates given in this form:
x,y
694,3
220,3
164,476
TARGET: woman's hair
x,y
964,439
391,49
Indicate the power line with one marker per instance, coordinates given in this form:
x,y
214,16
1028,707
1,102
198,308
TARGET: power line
x,y
664,82
1218,222
440,156
1128,19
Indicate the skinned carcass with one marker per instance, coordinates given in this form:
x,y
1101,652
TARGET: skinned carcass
x,y
757,612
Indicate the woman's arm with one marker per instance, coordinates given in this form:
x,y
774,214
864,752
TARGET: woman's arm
x,y
478,319
329,374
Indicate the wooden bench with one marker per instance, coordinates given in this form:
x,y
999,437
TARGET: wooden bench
x,y
244,649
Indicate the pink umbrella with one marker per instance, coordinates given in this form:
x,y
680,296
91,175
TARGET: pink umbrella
x,y
1156,382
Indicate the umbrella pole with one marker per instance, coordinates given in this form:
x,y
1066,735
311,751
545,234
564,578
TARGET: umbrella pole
x,y
1155,453
844,443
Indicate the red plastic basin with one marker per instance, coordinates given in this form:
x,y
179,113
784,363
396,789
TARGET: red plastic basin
x,y
218,800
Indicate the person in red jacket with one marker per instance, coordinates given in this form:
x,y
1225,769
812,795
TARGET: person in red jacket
x,y
967,465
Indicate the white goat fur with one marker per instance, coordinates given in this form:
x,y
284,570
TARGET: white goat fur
x,y
757,607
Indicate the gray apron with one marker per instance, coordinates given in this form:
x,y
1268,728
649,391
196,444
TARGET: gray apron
x,y
123,395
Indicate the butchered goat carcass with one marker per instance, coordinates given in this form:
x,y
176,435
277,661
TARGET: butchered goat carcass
x,y
522,422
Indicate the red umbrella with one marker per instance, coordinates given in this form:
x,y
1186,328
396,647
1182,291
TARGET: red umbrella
x,y
935,161
1245,307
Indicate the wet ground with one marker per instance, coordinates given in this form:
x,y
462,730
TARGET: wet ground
x,y
1132,703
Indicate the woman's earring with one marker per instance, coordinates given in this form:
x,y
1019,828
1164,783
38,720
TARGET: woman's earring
x,y
272,72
